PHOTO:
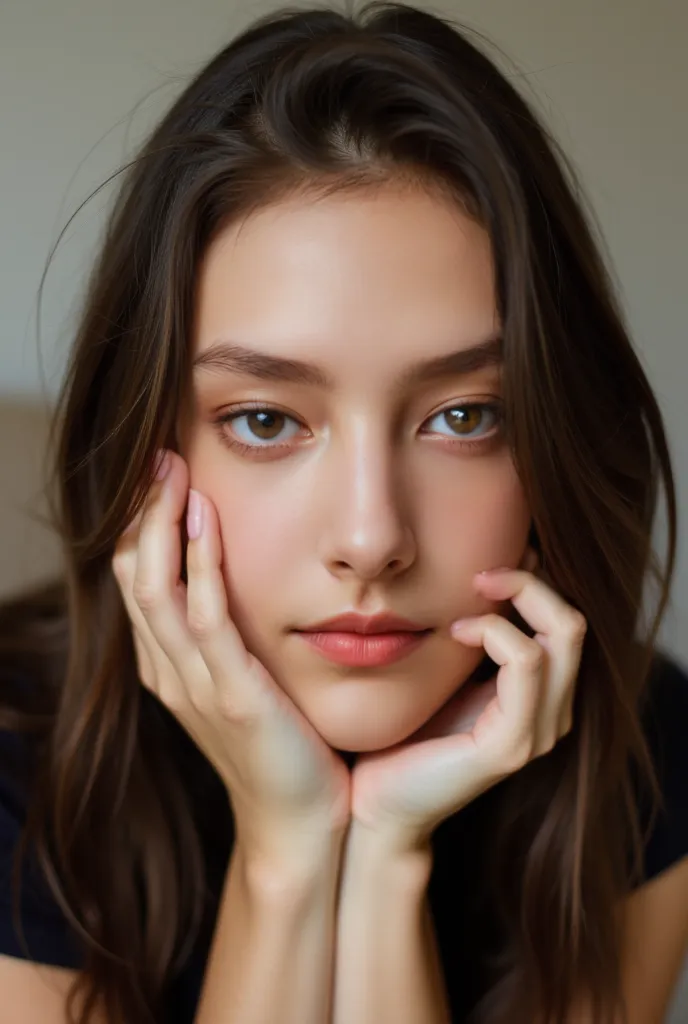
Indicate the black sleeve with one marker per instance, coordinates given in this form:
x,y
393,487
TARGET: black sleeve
x,y
47,934
665,718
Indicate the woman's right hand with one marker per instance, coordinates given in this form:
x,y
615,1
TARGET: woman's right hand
x,y
289,790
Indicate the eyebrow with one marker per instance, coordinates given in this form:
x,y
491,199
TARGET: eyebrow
x,y
230,357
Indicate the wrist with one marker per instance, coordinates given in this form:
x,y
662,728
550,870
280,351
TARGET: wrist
x,y
274,866
377,852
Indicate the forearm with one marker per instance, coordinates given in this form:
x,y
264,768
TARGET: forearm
x,y
387,965
272,956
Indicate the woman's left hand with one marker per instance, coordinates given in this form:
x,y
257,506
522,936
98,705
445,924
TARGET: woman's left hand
x,y
486,731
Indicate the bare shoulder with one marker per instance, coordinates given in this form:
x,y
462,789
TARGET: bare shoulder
x,y
37,993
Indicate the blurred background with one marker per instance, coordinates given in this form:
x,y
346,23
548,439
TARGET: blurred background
x,y
81,81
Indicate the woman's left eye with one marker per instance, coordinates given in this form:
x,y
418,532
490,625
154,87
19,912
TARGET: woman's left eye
x,y
266,424
460,418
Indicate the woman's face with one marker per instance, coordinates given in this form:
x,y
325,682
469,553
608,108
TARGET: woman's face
x,y
360,491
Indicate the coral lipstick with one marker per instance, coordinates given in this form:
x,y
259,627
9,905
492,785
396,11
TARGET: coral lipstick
x,y
365,650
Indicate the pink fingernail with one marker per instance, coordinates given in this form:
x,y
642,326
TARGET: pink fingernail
x,y
460,623
194,515
491,572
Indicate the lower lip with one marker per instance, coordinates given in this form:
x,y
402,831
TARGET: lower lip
x,y
364,650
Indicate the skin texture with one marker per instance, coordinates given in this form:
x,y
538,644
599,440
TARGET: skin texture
x,y
373,501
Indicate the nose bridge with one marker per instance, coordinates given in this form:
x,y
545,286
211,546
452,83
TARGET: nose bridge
x,y
369,514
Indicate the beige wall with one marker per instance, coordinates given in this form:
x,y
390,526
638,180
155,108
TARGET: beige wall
x,y
28,550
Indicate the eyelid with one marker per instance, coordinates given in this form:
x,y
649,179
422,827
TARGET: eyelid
x,y
261,405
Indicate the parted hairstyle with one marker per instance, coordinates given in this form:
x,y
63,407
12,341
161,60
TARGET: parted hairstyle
x,y
313,102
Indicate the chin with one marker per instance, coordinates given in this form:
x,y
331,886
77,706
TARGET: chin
x,y
359,737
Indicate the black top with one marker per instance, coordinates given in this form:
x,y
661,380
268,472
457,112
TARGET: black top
x,y
460,909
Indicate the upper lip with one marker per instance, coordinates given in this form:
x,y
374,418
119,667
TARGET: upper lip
x,y
352,622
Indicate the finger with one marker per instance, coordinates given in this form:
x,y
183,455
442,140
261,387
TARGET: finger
x,y
541,606
519,681
156,671
158,590
560,630
219,641
459,714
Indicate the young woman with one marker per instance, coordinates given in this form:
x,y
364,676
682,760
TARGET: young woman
x,y
253,768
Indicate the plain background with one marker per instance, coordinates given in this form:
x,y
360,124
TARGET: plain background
x,y
82,81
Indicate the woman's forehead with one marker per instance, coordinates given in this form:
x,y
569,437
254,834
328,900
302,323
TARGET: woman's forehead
x,y
292,294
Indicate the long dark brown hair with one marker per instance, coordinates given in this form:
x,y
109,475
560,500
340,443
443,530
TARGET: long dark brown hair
x,y
312,102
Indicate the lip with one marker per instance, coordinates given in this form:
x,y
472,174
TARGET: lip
x,y
354,622
358,650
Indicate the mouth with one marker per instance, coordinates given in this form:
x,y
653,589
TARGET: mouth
x,y
365,650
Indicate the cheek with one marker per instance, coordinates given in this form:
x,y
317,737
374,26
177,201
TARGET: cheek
x,y
480,522
255,532
256,543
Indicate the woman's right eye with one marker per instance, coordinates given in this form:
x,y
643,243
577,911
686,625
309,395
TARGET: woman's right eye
x,y
261,423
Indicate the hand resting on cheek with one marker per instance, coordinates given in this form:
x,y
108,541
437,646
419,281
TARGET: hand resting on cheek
x,y
486,731
287,787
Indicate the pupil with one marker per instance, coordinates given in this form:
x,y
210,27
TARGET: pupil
x,y
266,421
460,416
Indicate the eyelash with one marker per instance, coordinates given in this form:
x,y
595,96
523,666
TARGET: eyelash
x,y
257,450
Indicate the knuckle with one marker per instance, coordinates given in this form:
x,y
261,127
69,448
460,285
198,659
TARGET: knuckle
x,y
148,679
119,565
201,696
203,623
200,704
172,696
531,655
146,594
518,759
146,675
234,711
577,626
521,753
549,743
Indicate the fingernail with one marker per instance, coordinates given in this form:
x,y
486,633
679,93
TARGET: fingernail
x,y
162,464
194,515
490,572
460,623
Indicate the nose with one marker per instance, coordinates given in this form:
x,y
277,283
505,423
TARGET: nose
x,y
369,533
